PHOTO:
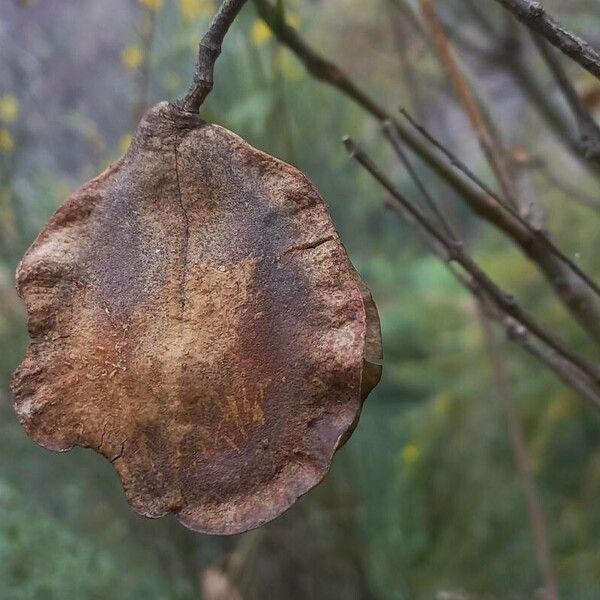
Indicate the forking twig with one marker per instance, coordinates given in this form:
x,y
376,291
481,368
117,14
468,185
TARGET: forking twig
x,y
582,302
457,254
539,234
390,133
208,52
490,145
534,15
514,330
588,128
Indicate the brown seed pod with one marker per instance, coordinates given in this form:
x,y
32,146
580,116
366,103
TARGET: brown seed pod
x,y
197,321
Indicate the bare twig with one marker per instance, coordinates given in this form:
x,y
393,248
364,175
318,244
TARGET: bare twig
x,y
506,49
402,21
565,371
489,146
519,335
532,14
588,128
568,373
517,332
390,133
328,72
457,254
541,235
573,292
208,52
522,459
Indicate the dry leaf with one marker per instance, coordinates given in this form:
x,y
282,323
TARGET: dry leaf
x,y
197,321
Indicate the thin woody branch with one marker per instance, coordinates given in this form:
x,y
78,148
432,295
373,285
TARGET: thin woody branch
x,y
472,107
330,73
562,368
514,330
390,133
546,347
208,52
534,15
575,294
541,235
509,52
506,48
588,128
457,254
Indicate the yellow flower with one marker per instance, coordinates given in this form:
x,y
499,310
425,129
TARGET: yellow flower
x,y
410,454
132,57
193,9
7,142
152,4
9,108
124,143
292,19
260,32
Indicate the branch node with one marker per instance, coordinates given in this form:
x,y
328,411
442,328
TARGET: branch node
x,y
536,10
209,50
351,146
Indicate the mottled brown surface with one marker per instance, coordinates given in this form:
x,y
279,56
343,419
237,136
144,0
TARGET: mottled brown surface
x,y
197,321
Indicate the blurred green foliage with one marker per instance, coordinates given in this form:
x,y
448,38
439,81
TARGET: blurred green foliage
x,y
424,500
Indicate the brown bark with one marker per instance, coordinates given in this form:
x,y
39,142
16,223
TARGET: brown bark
x,y
208,52
532,14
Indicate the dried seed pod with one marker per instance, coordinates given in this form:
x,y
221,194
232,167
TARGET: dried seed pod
x,y
197,321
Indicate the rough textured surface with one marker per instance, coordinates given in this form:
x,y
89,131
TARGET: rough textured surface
x,y
196,320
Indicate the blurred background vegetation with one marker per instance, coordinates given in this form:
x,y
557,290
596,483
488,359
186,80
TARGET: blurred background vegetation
x,y
424,501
